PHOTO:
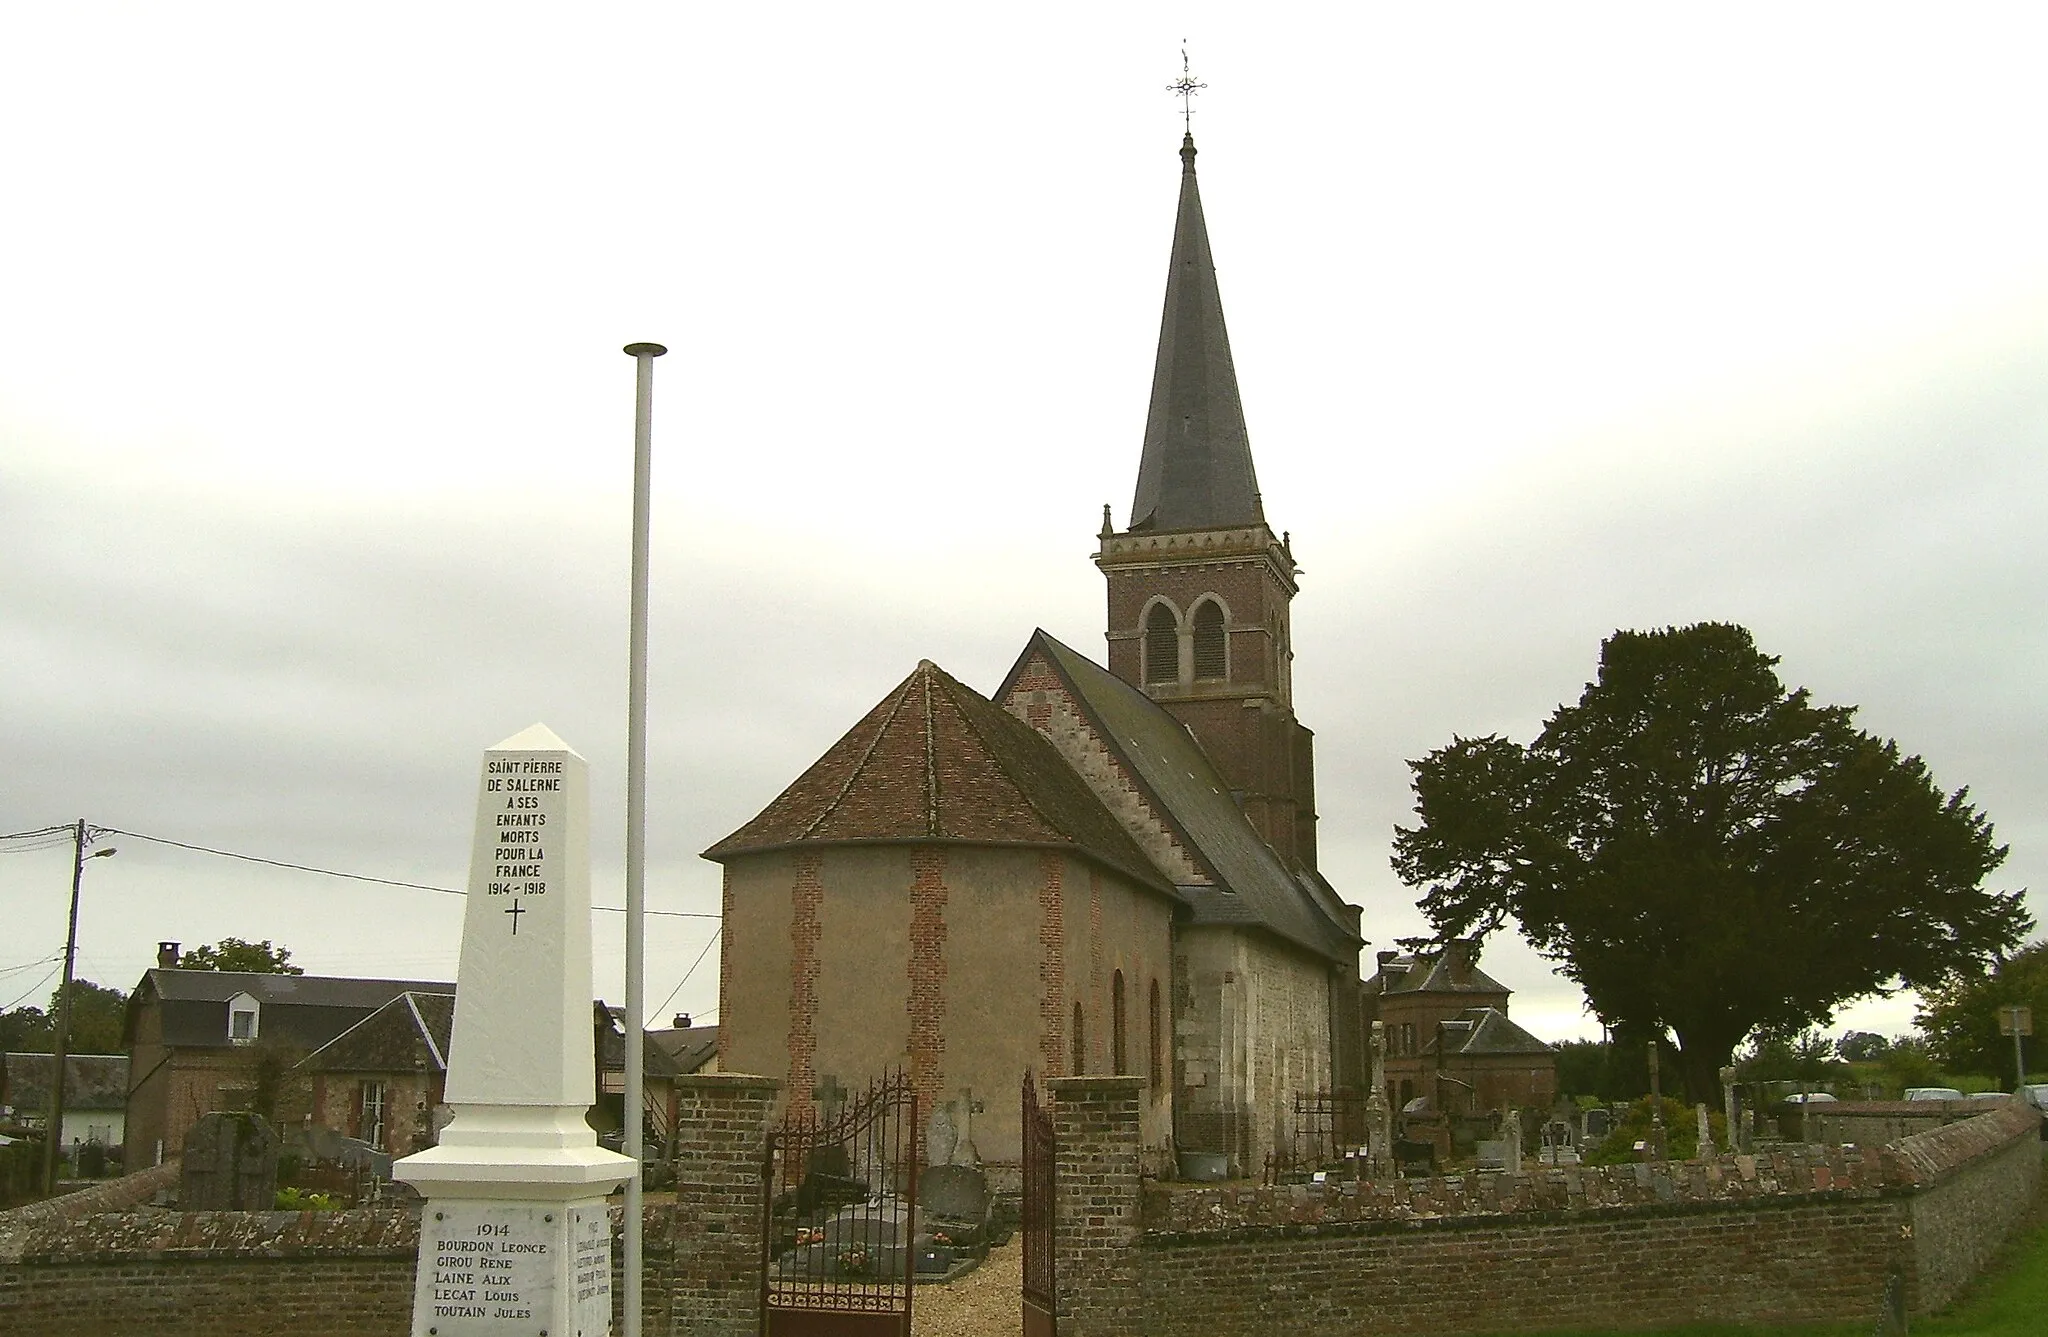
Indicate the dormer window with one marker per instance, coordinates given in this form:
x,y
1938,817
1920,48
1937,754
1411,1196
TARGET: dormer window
x,y
244,1019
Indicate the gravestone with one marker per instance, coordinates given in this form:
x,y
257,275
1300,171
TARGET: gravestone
x,y
1706,1135
515,1236
229,1165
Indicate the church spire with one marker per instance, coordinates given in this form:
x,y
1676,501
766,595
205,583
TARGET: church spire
x,y
1196,472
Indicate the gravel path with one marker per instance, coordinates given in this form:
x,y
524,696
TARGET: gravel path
x,y
984,1303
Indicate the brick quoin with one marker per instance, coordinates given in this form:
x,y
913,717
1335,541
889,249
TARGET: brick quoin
x,y
927,976
725,920
1052,966
806,894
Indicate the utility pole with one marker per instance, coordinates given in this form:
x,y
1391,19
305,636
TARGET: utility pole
x,y
60,1030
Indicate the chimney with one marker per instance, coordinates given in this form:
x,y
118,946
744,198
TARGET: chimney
x,y
682,1021
167,955
1458,954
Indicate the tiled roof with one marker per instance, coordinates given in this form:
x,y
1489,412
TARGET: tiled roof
x,y
1253,887
690,1046
1449,969
91,1081
1488,1032
935,761
409,1031
302,1010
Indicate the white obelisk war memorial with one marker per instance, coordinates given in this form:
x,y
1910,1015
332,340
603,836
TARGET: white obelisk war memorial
x,y
515,1236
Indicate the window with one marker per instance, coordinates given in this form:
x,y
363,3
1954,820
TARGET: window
x,y
1162,644
1117,1056
245,1019
1158,1073
1080,1045
242,1025
370,1114
1211,655
1407,1037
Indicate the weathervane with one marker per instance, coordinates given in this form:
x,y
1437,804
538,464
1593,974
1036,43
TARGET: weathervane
x,y
1186,88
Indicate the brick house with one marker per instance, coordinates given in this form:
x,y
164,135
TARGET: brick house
x,y
381,1079
206,1040
1446,1018
1138,893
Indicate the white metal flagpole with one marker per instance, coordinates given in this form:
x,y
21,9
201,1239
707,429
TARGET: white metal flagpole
x,y
636,822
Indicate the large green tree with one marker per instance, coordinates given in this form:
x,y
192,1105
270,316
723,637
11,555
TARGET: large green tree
x,y
1706,852
1960,1017
94,1026
258,958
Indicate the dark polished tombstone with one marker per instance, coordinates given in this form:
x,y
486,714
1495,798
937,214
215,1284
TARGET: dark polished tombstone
x,y
955,1201
229,1165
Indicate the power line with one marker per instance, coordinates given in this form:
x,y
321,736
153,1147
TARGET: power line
x,y
663,1007
33,988
360,877
39,831
28,965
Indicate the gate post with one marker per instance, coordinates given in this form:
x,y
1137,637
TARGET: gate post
x,y
1096,1204
721,1134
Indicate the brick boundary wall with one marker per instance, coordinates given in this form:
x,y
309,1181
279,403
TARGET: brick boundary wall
x,y
1804,1233
96,1264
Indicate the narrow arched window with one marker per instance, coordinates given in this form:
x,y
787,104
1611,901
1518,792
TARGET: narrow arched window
x,y
1117,1056
1211,659
1156,1050
1080,1043
1162,644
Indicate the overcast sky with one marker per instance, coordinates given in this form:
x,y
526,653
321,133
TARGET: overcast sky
x,y
316,438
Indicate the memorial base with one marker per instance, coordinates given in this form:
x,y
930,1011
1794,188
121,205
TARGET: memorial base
x,y
516,1238
501,1267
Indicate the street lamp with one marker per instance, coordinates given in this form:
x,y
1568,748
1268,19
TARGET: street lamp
x,y
53,1133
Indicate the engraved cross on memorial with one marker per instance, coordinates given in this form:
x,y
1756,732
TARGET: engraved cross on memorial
x,y
515,1237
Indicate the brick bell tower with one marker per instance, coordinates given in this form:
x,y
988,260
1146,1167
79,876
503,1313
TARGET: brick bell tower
x,y
1199,588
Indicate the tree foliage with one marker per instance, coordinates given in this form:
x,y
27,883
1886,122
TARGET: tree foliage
x,y
1705,851
258,958
94,1027
1960,1017
1862,1046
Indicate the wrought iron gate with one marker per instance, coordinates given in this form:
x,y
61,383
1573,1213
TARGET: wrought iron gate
x,y
1041,1292
839,1244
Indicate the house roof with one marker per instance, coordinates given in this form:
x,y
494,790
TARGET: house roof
x,y
91,1081
307,1010
1449,969
935,761
409,1031
1196,472
655,1060
1486,1030
690,1046
1252,886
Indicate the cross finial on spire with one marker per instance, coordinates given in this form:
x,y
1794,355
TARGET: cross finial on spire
x,y
1185,88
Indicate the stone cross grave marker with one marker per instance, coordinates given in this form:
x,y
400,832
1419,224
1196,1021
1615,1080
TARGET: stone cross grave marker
x,y
515,1237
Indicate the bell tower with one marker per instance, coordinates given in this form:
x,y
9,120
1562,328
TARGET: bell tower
x,y
1199,587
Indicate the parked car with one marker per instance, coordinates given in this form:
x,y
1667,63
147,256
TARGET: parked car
x,y
1985,1095
2037,1096
1809,1098
1933,1093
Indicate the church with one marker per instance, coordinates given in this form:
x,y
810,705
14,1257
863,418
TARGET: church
x,y
1100,867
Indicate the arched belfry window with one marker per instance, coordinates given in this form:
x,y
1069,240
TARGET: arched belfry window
x,y
1156,1052
1080,1039
1162,644
1211,657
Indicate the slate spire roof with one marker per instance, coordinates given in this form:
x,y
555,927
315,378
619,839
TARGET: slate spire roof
x,y
937,762
1196,472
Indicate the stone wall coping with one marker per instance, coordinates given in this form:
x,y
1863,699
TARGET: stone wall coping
x,y
112,1195
359,1232
1927,1157
726,1081
1087,1088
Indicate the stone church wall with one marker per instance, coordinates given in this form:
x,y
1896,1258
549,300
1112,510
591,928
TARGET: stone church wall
x,y
1251,1032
